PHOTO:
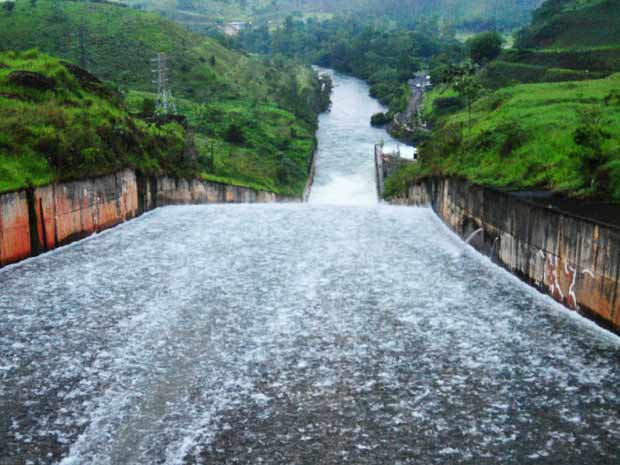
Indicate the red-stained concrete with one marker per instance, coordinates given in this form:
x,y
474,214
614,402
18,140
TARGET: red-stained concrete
x,y
66,212
14,227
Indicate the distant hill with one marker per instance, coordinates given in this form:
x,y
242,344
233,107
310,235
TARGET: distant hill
x,y
118,45
573,24
471,14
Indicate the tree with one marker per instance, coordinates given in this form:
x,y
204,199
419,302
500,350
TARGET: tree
x,y
8,7
485,47
469,88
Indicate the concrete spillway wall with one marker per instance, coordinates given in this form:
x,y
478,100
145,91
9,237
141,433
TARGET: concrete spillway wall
x,y
575,260
40,219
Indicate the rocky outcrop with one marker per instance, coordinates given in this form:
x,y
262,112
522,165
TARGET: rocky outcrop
x,y
574,260
31,80
40,219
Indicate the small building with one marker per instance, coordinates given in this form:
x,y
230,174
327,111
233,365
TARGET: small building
x,y
235,27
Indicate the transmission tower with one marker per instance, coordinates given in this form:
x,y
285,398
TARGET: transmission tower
x,y
165,104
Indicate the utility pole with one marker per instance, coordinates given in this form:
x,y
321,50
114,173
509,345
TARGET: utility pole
x,y
164,103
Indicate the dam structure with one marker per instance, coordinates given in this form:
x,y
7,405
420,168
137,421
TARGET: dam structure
x,y
337,331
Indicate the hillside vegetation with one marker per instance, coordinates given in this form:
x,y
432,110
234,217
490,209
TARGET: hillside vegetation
x,y
384,57
568,40
546,117
58,122
563,137
118,45
251,121
467,14
573,24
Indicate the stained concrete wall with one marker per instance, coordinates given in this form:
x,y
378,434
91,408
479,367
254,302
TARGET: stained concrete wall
x,y
37,220
574,260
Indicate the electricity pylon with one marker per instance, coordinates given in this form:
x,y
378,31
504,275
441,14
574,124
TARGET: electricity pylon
x,y
164,103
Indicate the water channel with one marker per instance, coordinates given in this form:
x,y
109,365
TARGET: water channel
x,y
335,332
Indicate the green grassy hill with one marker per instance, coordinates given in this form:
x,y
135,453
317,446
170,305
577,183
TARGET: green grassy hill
x,y
549,117
58,122
252,121
564,137
573,24
118,44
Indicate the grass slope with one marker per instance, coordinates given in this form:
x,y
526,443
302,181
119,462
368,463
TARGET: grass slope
x,y
58,125
563,137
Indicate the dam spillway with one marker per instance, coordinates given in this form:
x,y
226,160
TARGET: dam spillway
x,y
334,332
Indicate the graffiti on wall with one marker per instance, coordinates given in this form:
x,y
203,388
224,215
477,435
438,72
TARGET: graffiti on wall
x,y
560,279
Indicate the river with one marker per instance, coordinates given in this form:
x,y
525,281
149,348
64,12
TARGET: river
x,y
334,332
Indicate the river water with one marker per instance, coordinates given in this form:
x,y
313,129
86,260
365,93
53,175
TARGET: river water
x,y
297,334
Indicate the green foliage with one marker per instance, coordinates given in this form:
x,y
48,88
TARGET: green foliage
x,y
469,88
446,105
148,107
468,14
573,24
556,136
590,138
275,101
398,182
613,99
234,134
269,135
385,58
598,59
503,74
379,119
73,127
111,41
485,47
8,7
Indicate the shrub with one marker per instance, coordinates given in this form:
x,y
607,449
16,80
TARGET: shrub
x,y
288,171
8,7
613,99
148,107
513,138
447,105
485,47
234,134
420,136
379,119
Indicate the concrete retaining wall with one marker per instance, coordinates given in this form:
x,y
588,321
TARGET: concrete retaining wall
x,y
37,220
574,260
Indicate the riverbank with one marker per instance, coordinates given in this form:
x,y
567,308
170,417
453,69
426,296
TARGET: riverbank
x,y
407,126
33,221
575,260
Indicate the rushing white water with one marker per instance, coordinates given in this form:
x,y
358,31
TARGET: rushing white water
x,y
345,165
306,334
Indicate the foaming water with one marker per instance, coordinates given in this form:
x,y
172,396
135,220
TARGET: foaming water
x,y
345,165
308,334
